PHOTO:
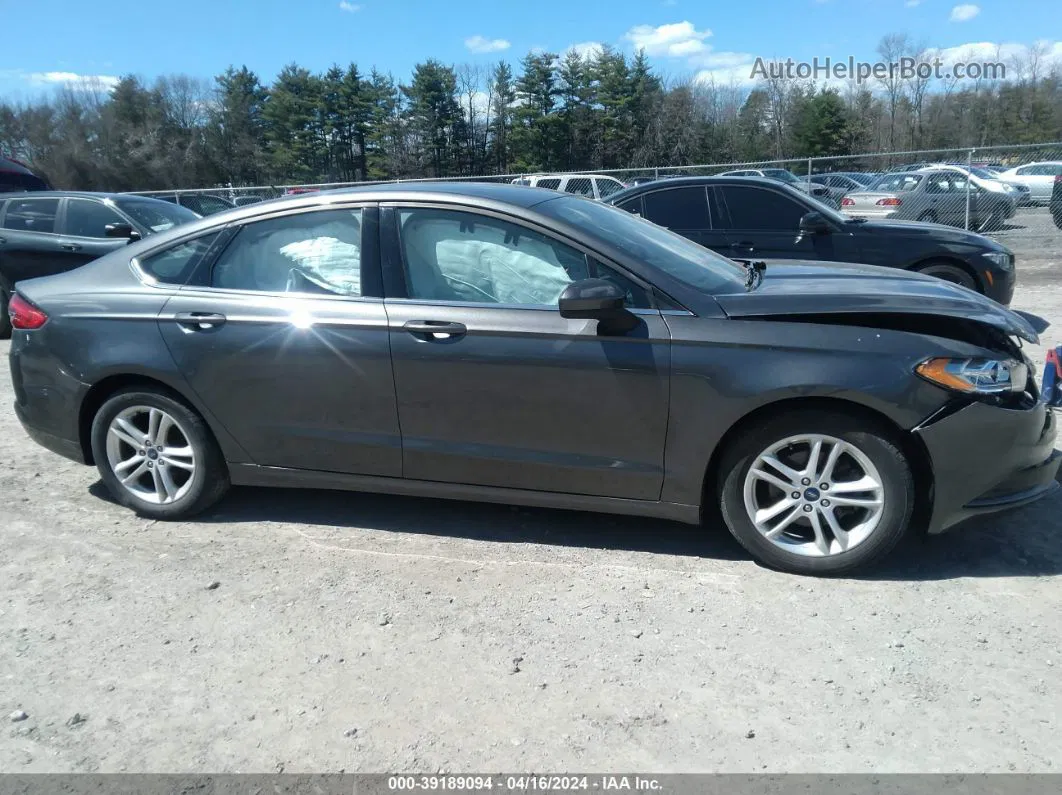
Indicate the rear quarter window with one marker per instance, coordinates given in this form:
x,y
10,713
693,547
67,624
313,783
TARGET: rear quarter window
x,y
177,264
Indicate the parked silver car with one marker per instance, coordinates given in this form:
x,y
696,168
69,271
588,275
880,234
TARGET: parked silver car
x,y
783,175
933,196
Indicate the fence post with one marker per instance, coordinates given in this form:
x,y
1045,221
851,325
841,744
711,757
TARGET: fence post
x,y
809,174
969,174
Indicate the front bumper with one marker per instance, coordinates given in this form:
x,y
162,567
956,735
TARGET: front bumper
x,y
988,459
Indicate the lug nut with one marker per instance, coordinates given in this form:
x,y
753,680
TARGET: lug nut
x,y
807,509
149,465
824,487
143,452
806,481
825,503
796,494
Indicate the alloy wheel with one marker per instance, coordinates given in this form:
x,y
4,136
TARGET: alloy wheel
x,y
150,454
814,495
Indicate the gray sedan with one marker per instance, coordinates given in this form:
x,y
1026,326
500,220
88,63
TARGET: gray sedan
x,y
518,345
933,196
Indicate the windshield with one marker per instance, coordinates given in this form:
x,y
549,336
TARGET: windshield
x,y
897,183
780,174
654,245
984,174
158,216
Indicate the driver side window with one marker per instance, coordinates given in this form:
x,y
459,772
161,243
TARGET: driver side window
x,y
313,252
458,256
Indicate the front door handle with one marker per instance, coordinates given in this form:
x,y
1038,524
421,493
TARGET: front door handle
x,y
200,320
746,244
435,330
70,247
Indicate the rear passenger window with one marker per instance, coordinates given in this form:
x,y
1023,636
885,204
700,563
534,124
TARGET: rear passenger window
x,y
552,184
678,208
31,215
313,252
633,206
176,265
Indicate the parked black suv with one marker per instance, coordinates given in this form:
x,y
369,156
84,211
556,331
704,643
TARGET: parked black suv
x,y
748,218
48,232
15,177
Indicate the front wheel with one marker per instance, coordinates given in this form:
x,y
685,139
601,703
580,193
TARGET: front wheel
x,y
817,492
156,455
950,273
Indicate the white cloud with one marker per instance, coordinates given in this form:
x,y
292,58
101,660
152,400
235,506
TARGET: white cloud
x,y
482,44
586,49
73,79
349,7
675,40
964,12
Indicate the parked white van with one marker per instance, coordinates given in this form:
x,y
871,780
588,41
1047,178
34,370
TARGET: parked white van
x,y
596,186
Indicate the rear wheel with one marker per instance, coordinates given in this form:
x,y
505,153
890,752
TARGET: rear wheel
x,y
817,492
5,319
156,455
949,272
928,217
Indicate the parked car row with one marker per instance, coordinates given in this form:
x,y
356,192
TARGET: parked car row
x,y
595,186
499,343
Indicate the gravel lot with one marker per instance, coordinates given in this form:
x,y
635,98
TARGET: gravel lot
x,y
315,631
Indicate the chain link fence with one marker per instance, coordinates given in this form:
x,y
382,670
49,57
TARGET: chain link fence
x,y
1003,191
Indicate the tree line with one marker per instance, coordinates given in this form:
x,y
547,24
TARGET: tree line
x,y
588,111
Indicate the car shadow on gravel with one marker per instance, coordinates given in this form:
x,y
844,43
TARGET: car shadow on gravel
x,y
1023,543
468,520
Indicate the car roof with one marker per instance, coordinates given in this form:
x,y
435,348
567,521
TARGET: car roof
x,y
72,194
678,182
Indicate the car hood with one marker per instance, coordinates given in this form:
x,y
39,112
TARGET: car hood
x,y
938,232
798,287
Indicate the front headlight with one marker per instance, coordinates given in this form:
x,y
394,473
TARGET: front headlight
x,y
1002,259
976,376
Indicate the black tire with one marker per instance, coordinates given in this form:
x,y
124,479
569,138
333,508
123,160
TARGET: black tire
x,y
5,319
875,441
993,222
1057,216
949,272
928,217
207,484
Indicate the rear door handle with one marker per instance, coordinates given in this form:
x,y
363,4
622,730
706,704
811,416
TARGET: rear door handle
x,y
3,240
200,320
435,329
70,247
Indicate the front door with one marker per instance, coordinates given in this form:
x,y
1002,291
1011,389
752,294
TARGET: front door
x,y
765,224
494,387
83,235
280,342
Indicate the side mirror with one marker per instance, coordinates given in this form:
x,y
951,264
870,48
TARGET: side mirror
x,y
812,224
121,230
598,299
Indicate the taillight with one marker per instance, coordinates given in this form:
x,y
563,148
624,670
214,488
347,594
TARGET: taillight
x,y
846,202
24,315
889,202
1058,177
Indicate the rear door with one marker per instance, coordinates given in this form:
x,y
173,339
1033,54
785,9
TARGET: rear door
x,y
284,338
692,211
83,231
29,239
